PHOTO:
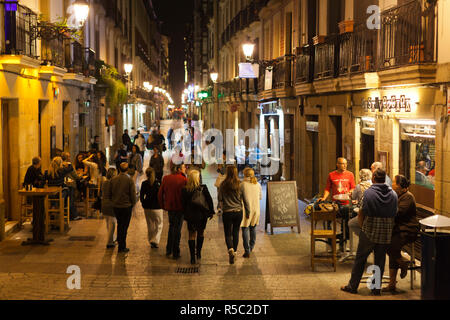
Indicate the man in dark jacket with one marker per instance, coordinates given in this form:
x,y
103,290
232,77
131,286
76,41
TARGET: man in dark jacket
x,y
126,140
123,197
34,174
169,197
376,219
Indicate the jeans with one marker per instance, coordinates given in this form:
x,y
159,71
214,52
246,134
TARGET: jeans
x,y
365,247
111,223
174,236
247,233
123,216
231,225
154,220
353,226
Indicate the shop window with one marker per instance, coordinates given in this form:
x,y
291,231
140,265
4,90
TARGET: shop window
x,y
418,158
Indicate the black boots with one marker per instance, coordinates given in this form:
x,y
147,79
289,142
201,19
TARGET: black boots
x,y
199,247
192,250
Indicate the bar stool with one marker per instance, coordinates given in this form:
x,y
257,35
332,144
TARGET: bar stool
x,y
327,213
56,212
92,192
26,210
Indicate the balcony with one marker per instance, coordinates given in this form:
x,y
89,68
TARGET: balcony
x,y
407,35
304,65
53,51
325,59
79,60
357,50
19,25
282,72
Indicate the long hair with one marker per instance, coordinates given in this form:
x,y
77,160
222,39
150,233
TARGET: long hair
x,y
231,182
55,166
150,173
249,173
79,164
193,180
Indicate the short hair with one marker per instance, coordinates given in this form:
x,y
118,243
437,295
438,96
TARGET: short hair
x,y
377,165
111,173
421,165
65,156
379,176
123,167
36,161
402,181
365,175
341,158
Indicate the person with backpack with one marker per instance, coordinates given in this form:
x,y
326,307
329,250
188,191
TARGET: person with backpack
x,y
152,209
198,207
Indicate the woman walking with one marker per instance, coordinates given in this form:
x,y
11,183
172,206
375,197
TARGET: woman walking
x,y
252,194
135,163
152,209
230,202
198,207
405,231
157,163
107,208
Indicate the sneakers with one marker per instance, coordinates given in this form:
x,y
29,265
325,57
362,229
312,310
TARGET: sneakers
x,y
231,255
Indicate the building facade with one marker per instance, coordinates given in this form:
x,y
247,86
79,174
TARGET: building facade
x,y
52,89
337,81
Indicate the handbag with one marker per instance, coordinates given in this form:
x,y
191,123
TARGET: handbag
x,y
199,201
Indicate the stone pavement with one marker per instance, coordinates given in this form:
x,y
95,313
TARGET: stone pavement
x,y
279,268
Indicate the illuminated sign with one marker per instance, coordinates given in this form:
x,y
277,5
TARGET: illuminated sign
x,y
392,104
203,94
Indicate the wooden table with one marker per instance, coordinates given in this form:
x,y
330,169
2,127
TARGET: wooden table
x,y
39,196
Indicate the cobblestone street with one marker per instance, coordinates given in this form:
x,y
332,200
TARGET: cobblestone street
x,y
279,268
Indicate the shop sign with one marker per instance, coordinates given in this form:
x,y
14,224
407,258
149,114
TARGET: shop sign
x,y
392,104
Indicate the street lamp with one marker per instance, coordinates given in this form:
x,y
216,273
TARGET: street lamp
x,y
81,8
248,48
128,68
214,76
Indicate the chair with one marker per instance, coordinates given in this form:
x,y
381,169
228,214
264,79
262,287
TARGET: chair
x,y
92,192
57,213
326,214
26,210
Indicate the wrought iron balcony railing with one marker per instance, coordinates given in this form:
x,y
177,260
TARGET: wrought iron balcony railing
x,y
304,65
407,34
18,25
358,50
326,59
53,51
282,72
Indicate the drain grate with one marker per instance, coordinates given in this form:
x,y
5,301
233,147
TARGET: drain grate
x,y
187,270
82,238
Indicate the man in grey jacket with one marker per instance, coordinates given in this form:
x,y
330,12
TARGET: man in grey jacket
x,y
123,197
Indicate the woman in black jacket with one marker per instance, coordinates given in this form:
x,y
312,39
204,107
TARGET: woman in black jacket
x,y
157,163
198,207
152,209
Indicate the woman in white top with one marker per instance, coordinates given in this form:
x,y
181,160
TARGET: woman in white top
x,y
94,173
251,190
140,142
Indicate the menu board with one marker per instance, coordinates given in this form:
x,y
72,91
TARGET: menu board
x,y
282,205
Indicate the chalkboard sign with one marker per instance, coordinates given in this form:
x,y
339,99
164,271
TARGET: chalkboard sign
x,y
282,205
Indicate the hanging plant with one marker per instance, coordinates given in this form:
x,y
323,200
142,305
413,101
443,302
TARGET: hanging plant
x,y
116,91
57,28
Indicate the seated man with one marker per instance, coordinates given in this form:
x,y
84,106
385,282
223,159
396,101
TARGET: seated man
x,y
34,174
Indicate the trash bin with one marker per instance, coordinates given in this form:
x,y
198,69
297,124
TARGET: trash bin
x,y
435,259
435,266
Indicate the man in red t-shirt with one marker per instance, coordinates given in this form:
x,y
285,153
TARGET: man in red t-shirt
x,y
340,181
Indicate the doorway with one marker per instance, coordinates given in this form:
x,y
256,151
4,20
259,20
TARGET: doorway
x,y
367,151
44,133
10,158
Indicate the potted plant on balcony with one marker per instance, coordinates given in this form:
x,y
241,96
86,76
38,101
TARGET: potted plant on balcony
x,y
346,26
319,39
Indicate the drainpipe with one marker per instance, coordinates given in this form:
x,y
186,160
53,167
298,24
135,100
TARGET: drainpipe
x,y
2,219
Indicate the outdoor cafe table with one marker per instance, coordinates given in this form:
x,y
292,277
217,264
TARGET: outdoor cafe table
x,y
38,196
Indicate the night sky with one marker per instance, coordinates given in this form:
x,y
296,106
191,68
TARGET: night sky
x,y
175,14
